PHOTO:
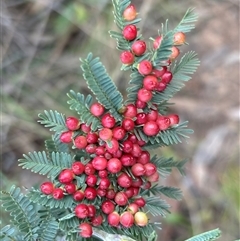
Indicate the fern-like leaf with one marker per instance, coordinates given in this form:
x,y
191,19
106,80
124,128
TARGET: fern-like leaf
x,y
48,230
38,162
53,120
207,236
102,86
157,206
82,105
22,210
8,233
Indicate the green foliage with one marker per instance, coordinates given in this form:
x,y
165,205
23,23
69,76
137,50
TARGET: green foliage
x,y
157,206
207,236
102,86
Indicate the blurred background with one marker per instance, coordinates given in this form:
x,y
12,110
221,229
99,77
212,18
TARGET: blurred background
x,y
42,42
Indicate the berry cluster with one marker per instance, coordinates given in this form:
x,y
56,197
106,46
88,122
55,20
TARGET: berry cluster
x,y
118,166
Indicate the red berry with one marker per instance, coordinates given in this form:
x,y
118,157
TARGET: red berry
x,y
154,177
81,210
127,219
163,122
91,148
100,150
91,210
174,119
112,146
72,123
144,157
104,183
175,53
150,169
151,128
85,128
136,151
90,193
130,13
78,168
129,192
97,220
118,133
80,142
47,188
145,67
66,176
128,124
101,192
139,47
108,121
129,32
70,188
146,185
78,195
89,169
97,109
127,146
92,137
167,77
91,180
150,82
131,111
132,138
110,194
107,207
58,193
66,137
105,134
137,182
127,160
114,165
140,104
85,230
135,191
127,57
179,38
103,173
141,219
141,118
132,208
161,86
113,219
152,115
124,180
99,163
138,170
121,199
144,95
159,72
140,202
157,42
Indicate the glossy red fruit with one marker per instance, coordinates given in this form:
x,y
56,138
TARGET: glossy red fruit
x,y
101,192
57,193
97,220
132,138
146,185
78,168
112,146
157,42
179,38
78,195
113,219
99,163
66,176
97,109
124,180
161,86
136,151
118,133
131,111
175,53
85,128
139,47
89,169
150,82
104,183
159,71
92,137
81,210
137,182
85,230
108,121
150,169
91,180
174,119
152,115
141,118
130,13
167,77
107,207
140,202
121,199
80,142
72,123
154,177
135,191
144,95
91,210
129,192
151,128
110,194
163,122
140,104
127,57
103,173
91,148
129,32
114,165
70,188
127,160
90,193
100,150
66,137
145,67
47,188
127,146
138,170
127,219
144,157
140,219
132,208
128,124
105,134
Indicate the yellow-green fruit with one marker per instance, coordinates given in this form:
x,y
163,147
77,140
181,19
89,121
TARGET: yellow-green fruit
x,y
141,219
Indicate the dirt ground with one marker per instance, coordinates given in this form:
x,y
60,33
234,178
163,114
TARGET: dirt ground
x,y
34,78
